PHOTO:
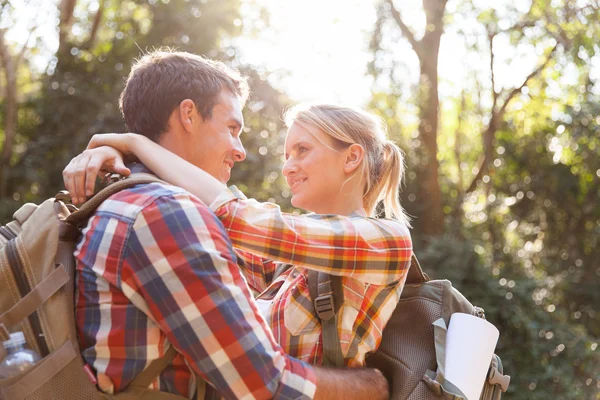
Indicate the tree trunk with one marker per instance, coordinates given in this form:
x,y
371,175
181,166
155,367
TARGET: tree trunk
x,y
67,9
431,223
96,25
10,112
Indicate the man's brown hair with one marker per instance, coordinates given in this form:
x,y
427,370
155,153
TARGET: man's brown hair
x,y
161,80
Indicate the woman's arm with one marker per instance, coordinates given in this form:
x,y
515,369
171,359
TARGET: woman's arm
x,y
375,251
259,272
80,174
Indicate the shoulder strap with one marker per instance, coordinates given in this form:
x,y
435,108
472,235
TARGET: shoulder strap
x,y
88,208
145,378
155,368
328,296
415,273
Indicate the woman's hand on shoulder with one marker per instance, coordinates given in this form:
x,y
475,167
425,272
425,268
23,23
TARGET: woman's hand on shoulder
x,y
80,175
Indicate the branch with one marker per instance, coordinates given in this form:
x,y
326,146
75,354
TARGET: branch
x,y
491,37
525,21
404,28
67,8
533,73
483,163
458,137
24,48
10,110
96,25
5,3
490,132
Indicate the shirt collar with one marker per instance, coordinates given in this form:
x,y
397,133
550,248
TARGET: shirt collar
x,y
137,167
358,213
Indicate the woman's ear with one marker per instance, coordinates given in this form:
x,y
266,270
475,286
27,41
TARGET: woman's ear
x,y
354,157
187,113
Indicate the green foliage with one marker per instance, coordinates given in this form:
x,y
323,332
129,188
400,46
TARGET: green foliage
x,y
80,90
523,244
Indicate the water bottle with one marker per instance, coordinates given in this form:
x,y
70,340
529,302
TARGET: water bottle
x,y
18,357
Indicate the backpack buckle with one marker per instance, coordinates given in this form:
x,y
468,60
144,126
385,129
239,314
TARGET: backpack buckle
x,y
63,196
324,306
496,378
110,178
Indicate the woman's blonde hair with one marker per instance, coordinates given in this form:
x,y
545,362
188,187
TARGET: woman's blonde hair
x,y
383,162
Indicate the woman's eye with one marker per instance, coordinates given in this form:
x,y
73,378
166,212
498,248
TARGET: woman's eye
x,y
301,150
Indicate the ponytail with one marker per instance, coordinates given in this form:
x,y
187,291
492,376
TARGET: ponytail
x,y
393,176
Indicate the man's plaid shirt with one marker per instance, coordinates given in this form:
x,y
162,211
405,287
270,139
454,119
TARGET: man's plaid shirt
x,y
155,269
372,255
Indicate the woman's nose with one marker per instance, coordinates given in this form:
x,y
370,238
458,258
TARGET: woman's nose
x,y
289,167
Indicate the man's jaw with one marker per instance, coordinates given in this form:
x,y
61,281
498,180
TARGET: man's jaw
x,y
227,166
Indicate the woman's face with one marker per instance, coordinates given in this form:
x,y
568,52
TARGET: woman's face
x,y
314,170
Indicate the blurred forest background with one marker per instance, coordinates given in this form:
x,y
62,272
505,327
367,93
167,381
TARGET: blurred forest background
x,y
503,181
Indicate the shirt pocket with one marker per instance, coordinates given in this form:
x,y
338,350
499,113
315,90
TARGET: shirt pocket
x,y
299,315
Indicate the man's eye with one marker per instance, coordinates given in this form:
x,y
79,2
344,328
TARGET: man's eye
x,y
302,150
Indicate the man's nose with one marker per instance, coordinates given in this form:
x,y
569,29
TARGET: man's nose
x,y
239,153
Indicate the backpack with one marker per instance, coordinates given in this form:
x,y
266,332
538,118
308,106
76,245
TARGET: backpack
x,y
410,350
37,269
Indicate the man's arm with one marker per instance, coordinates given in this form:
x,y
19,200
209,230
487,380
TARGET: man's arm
x,y
179,260
376,251
351,383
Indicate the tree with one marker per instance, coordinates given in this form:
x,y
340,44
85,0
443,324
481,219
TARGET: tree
x,y
518,175
77,96
11,59
552,27
427,51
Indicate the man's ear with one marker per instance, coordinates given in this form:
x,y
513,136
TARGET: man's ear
x,y
354,157
188,114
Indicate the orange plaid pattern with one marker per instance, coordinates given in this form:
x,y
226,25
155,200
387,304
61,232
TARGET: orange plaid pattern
x,y
276,249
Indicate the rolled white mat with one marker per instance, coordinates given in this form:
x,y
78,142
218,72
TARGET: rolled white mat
x,y
470,344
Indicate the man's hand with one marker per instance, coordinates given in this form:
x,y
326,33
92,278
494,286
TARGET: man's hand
x,y
80,175
351,383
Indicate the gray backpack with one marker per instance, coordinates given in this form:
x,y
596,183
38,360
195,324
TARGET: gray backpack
x,y
409,350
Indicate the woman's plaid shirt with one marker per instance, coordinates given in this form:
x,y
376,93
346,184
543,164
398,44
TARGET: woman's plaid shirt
x,y
372,255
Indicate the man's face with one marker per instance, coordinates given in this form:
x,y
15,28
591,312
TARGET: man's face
x,y
217,145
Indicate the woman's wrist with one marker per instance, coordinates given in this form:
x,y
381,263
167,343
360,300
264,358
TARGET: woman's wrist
x,y
133,141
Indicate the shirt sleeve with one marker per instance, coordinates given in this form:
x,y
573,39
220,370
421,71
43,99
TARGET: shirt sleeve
x,y
373,250
259,272
179,260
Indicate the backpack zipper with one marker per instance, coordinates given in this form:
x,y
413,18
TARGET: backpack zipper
x,y
21,280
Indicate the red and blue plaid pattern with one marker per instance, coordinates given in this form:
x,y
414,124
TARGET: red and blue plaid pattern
x,y
155,268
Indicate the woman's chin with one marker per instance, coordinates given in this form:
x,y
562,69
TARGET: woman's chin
x,y
298,202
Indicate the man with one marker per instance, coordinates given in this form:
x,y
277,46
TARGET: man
x,y
156,269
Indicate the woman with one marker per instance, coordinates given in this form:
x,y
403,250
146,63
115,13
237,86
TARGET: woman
x,y
338,163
